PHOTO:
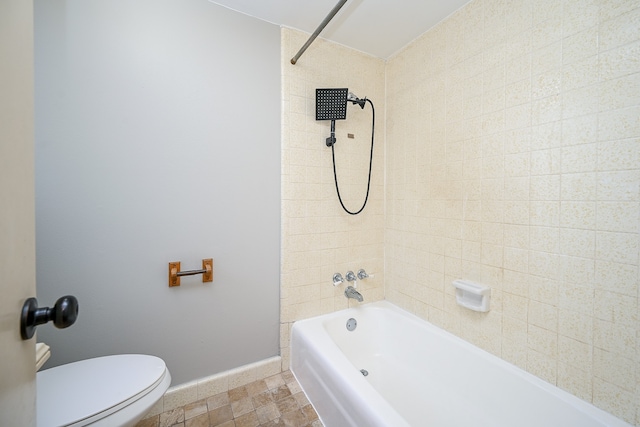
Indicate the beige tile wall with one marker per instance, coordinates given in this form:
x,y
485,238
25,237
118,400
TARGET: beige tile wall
x,y
318,237
513,159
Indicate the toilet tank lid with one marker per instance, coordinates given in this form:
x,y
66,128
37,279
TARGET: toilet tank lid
x,y
76,391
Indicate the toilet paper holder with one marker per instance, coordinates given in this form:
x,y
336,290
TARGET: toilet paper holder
x,y
175,273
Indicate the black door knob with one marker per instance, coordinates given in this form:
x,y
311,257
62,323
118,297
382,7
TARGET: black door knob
x,y
63,314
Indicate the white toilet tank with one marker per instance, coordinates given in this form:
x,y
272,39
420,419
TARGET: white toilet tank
x,y
111,391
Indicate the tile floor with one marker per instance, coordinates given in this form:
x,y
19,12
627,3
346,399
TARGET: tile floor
x,y
273,402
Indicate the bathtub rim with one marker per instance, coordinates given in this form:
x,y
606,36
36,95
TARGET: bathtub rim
x,y
316,324
367,396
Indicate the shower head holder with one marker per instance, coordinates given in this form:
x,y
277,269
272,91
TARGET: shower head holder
x,y
355,100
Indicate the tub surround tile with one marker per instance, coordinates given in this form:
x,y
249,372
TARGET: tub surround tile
x,y
319,239
575,381
514,163
552,149
614,399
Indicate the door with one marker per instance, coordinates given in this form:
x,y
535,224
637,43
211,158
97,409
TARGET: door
x,y
17,223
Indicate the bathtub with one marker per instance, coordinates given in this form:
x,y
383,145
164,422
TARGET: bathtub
x,y
396,370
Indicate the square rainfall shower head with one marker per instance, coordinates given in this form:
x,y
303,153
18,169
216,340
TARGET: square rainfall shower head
x,y
331,104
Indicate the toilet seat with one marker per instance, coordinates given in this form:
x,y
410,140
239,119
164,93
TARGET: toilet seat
x,y
87,391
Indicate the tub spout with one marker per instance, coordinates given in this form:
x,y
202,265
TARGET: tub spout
x,y
351,292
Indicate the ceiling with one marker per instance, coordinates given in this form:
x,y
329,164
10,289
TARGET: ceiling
x,y
377,27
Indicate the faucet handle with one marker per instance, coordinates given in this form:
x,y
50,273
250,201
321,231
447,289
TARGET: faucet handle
x,y
363,274
337,279
351,277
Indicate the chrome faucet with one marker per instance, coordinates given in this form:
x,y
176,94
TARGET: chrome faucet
x,y
337,279
350,292
350,276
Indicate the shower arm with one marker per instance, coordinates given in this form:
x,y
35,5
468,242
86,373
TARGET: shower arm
x,y
315,34
332,139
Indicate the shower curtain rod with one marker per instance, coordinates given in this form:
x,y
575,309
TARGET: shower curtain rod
x,y
318,30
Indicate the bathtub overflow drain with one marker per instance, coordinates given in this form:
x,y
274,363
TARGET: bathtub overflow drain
x,y
351,324
364,372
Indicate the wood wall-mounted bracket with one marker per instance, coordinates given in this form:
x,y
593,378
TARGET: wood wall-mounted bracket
x,y
175,273
174,269
207,266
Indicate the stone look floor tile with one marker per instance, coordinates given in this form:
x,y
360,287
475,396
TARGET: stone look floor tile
x,y
198,421
280,393
241,407
150,422
267,412
171,418
277,401
262,399
287,404
214,402
274,381
247,420
301,399
220,415
256,387
310,413
238,393
288,377
194,409
294,418
294,387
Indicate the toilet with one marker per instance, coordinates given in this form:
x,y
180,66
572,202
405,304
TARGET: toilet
x,y
105,391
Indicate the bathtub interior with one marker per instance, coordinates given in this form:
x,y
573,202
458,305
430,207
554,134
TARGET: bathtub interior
x,y
430,377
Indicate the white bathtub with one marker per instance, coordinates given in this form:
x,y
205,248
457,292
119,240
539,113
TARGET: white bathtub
x,y
420,375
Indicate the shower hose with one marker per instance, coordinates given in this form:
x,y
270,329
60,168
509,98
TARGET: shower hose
x,y
335,176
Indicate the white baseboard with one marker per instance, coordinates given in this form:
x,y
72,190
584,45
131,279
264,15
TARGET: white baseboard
x,y
184,394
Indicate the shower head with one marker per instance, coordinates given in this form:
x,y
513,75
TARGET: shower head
x,y
331,104
354,99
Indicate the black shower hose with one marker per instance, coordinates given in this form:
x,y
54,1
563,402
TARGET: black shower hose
x,y
335,176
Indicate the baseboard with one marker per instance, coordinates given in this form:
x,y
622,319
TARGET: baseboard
x,y
184,394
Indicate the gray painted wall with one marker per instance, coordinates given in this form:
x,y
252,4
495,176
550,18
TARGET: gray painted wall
x,y
158,140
